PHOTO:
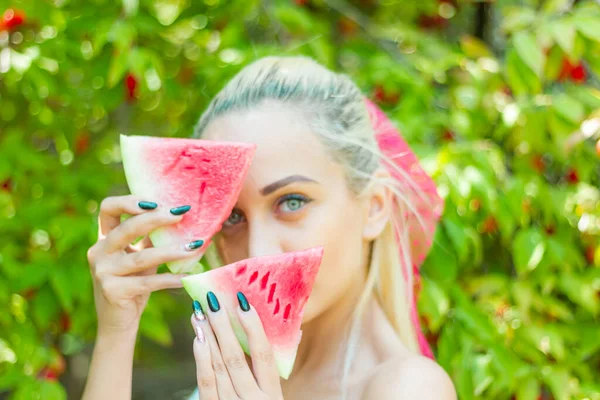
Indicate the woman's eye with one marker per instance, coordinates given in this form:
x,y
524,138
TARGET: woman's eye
x,y
292,203
235,218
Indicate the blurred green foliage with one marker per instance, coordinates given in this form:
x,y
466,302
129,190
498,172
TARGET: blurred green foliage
x,y
500,100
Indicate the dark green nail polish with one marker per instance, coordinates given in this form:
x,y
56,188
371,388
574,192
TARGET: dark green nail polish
x,y
243,301
147,205
180,210
198,310
213,303
194,245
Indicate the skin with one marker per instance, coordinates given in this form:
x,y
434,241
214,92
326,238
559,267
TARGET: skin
x,y
315,210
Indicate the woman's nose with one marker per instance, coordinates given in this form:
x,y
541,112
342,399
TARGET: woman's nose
x,y
263,241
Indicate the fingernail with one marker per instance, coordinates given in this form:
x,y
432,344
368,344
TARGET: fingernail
x,y
200,333
243,301
193,245
213,303
147,205
180,210
198,310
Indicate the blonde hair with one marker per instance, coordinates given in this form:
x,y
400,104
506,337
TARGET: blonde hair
x,y
335,110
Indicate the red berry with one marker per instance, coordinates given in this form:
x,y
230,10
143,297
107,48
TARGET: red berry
x,y
131,84
58,365
65,322
448,135
578,74
379,94
565,70
347,27
7,185
490,225
550,230
12,19
537,162
572,176
48,374
432,22
575,73
82,142
589,254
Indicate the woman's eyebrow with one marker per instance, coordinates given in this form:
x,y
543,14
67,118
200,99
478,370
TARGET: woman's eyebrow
x,y
270,188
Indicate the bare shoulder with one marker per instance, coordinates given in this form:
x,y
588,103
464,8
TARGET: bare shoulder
x,y
415,377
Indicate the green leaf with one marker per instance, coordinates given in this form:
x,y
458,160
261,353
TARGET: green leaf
x,y
434,303
52,391
568,107
118,66
441,264
296,19
563,33
528,249
154,327
122,34
528,389
557,379
588,26
482,374
472,318
45,307
33,276
580,291
130,7
529,51
459,239
62,284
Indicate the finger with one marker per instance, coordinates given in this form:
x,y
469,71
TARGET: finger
x,y
261,352
149,258
224,385
138,285
145,243
113,207
140,225
233,355
207,383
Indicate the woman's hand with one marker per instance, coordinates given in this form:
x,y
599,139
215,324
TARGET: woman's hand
x,y
125,275
221,366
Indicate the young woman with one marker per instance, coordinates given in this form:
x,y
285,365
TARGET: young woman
x,y
329,170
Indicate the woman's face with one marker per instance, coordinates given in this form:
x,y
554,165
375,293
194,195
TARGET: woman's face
x,y
294,197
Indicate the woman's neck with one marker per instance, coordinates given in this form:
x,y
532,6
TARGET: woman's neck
x,y
324,343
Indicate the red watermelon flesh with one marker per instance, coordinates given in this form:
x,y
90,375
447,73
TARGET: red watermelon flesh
x,y
278,288
205,174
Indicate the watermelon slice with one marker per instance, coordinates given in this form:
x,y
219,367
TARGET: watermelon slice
x,y
276,286
205,174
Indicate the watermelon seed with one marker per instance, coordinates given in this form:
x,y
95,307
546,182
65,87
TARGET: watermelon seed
x,y
253,277
264,280
241,270
276,307
205,160
202,187
271,292
286,313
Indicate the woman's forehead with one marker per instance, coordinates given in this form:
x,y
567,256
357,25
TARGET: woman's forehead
x,y
285,143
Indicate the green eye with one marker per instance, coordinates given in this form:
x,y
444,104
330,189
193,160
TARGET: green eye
x,y
292,203
234,218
